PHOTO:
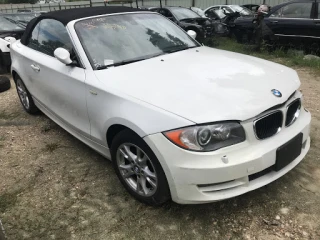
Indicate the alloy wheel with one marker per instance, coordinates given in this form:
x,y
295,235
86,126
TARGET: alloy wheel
x,y
23,94
137,169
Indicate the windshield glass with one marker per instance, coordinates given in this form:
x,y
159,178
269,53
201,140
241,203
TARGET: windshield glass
x,y
111,40
198,11
183,13
11,22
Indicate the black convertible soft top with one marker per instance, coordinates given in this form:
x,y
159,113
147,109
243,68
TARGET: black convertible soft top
x,y
66,16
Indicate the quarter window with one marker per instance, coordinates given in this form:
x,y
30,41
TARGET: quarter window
x,y
49,35
294,10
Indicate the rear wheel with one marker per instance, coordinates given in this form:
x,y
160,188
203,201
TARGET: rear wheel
x,y
2,65
4,83
139,169
25,97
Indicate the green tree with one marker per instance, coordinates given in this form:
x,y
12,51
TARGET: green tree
x,y
20,1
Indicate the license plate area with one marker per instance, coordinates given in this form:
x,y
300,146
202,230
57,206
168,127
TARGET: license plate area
x,y
288,152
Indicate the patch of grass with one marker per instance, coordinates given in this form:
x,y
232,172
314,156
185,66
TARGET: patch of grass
x,y
5,116
50,147
7,200
2,138
290,58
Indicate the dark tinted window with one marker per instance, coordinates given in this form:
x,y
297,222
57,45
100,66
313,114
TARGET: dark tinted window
x,y
183,13
49,35
294,10
318,10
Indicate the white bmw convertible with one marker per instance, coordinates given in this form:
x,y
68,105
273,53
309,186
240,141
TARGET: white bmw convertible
x,y
177,119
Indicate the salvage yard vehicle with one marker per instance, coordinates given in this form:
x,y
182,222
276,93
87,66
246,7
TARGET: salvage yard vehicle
x,y
188,20
295,23
11,28
227,15
221,10
174,118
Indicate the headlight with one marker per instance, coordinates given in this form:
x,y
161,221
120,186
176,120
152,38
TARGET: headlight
x,y
209,137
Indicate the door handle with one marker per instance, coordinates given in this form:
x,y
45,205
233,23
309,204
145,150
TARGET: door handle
x,y
35,68
274,22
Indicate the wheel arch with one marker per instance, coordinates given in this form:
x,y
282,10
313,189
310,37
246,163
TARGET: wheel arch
x,y
117,125
14,75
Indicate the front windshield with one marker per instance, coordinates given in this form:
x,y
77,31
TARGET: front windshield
x,y
198,11
7,25
183,13
12,22
109,40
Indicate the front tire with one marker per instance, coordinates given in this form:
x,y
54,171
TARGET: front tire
x,y
25,97
138,169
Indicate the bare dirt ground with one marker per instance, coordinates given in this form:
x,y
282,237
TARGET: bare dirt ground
x,y
52,186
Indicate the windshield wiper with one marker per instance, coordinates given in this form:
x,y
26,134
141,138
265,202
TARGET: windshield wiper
x,y
179,49
128,61
120,63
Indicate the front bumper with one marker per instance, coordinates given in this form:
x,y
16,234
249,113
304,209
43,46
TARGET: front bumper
x,y
195,177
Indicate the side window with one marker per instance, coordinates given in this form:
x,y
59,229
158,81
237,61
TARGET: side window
x,y
33,41
294,10
211,13
51,34
318,10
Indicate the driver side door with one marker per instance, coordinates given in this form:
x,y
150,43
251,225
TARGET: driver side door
x,y
292,20
56,87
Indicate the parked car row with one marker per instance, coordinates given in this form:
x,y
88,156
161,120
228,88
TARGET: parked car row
x,y
175,119
189,19
296,23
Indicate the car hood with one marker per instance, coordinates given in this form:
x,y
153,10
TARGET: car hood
x,y
204,84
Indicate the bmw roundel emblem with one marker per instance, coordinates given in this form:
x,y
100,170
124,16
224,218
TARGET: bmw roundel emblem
x,y
276,93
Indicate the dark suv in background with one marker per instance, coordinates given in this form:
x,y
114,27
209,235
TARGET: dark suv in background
x,y
296,23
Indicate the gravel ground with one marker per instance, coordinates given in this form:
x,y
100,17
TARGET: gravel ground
x,y
52,186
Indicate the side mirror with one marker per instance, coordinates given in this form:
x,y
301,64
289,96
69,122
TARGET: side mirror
x,y
62,55
192,34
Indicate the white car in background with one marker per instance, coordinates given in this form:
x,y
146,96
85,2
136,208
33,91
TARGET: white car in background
x,y
222,9
175,119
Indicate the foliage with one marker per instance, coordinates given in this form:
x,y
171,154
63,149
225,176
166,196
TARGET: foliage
x,y
289,57
18,1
